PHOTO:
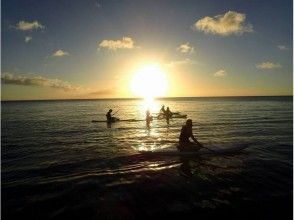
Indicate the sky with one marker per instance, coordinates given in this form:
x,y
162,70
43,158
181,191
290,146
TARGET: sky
x,y
168,48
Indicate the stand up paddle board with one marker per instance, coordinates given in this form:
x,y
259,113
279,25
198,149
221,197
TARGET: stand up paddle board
x,y
202,151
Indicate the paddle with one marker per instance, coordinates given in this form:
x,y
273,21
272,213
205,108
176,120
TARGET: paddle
x,y
115,112
209,149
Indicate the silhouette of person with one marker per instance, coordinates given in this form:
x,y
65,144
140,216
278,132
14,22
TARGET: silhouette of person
x,y
168,115
110,118
161,112
184,143
149,118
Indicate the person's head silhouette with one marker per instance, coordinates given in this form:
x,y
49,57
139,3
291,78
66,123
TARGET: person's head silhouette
x,y
189,123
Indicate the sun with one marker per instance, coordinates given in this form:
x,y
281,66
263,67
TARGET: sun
x,y
149,82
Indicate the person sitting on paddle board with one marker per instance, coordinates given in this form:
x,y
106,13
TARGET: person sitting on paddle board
x,y
162,112
109,117
184,143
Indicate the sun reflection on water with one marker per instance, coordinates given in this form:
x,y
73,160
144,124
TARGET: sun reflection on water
x,y
144,147
149,103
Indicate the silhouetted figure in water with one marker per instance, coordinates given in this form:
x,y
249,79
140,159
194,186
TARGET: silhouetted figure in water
x,y
168,115
184,142
162,110
110,118
149,118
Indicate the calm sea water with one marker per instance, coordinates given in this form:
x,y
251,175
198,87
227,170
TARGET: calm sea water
x,y
56,163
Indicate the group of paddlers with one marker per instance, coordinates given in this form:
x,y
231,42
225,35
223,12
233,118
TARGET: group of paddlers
x,y
186,132
163,113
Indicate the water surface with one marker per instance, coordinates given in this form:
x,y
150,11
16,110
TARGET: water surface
x,y
56,163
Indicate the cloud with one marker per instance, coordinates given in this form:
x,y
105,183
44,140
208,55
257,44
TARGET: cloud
x,y
30,80
186,61
226,24
28,39
102,92
282,47
60,53
125,43
185,48
268,65
28,26
220,73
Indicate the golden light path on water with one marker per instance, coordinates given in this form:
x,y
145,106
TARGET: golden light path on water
x,y
150,104
154,139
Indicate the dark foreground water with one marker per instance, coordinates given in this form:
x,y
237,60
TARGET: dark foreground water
x,y
56,163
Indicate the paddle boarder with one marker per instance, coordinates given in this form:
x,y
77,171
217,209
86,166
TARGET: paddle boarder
x,y
184,140
168,115
109,117
162,110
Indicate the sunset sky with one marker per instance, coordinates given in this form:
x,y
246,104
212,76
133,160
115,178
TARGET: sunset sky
x,y
116,49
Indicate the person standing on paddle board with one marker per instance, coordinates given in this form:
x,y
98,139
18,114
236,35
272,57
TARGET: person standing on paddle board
x,y
184,143
168,115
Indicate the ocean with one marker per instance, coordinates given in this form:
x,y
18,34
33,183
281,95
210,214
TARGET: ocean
x,y
58,164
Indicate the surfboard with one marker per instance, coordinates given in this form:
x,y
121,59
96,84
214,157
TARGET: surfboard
x,y
121,120
159,117
214,151
179,116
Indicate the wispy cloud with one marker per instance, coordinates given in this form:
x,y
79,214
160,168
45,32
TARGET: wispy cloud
x,y
60,53
185,48
220,73
125,43
282,47
102,92
28,26
226,24
29,80
268,65
186,61
28,39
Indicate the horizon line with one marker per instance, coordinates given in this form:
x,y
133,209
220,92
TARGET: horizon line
x,y
142,98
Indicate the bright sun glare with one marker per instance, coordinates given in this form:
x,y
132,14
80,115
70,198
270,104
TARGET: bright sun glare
x,y
149,82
